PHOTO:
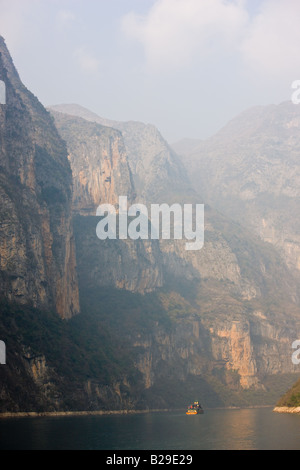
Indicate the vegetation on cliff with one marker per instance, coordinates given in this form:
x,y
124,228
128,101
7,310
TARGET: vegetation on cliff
x,y
291,399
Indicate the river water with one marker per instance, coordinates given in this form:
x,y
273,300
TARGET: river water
x,y
249,429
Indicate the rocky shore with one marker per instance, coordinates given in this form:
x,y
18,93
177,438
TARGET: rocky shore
x,y
287,409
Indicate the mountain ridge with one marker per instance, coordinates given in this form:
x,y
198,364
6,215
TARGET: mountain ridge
x,y
156,324
149,155
253,173
224,259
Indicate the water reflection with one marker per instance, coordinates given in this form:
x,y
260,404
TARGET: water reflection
x,y
233,429
256,429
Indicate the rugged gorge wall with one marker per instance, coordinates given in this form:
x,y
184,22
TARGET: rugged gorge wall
x,y
157,320
234,305
37,250
229,356
99,163
157,172
101,174
159,325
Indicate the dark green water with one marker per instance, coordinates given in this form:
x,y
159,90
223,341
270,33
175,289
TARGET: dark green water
x,y
258,429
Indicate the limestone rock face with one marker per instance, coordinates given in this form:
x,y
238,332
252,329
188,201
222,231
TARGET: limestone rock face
x,y
157,172
216,321
37,250
226,324
99,163
242,352
134,266
101,174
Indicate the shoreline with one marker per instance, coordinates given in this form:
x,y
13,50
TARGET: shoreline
x,y
62,414
286,409
66,414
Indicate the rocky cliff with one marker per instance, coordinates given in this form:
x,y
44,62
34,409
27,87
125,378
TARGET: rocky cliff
x,y
99,163
101,174
227,300
158,174
159,325
37,250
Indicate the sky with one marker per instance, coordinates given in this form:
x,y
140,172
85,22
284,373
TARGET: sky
x,y
186,66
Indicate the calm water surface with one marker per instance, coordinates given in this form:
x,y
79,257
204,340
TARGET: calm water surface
x,y
258,429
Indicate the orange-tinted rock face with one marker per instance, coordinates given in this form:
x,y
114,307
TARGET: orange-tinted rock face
x,y
239,352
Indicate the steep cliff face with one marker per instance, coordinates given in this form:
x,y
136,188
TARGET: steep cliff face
x,y
219,288
255,348
37,251
125,264
101,174
158,174
215,323
221,359
99,163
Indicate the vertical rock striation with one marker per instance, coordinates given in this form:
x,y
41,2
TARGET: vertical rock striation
x,y
37,249
221,287
98,159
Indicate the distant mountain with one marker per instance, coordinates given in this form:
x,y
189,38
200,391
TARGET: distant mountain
x,y
158,325
250,171
186,146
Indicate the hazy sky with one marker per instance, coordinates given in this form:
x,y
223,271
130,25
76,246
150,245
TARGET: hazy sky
x,y
187,66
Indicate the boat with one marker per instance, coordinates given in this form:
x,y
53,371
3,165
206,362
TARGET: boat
x,y
195,409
